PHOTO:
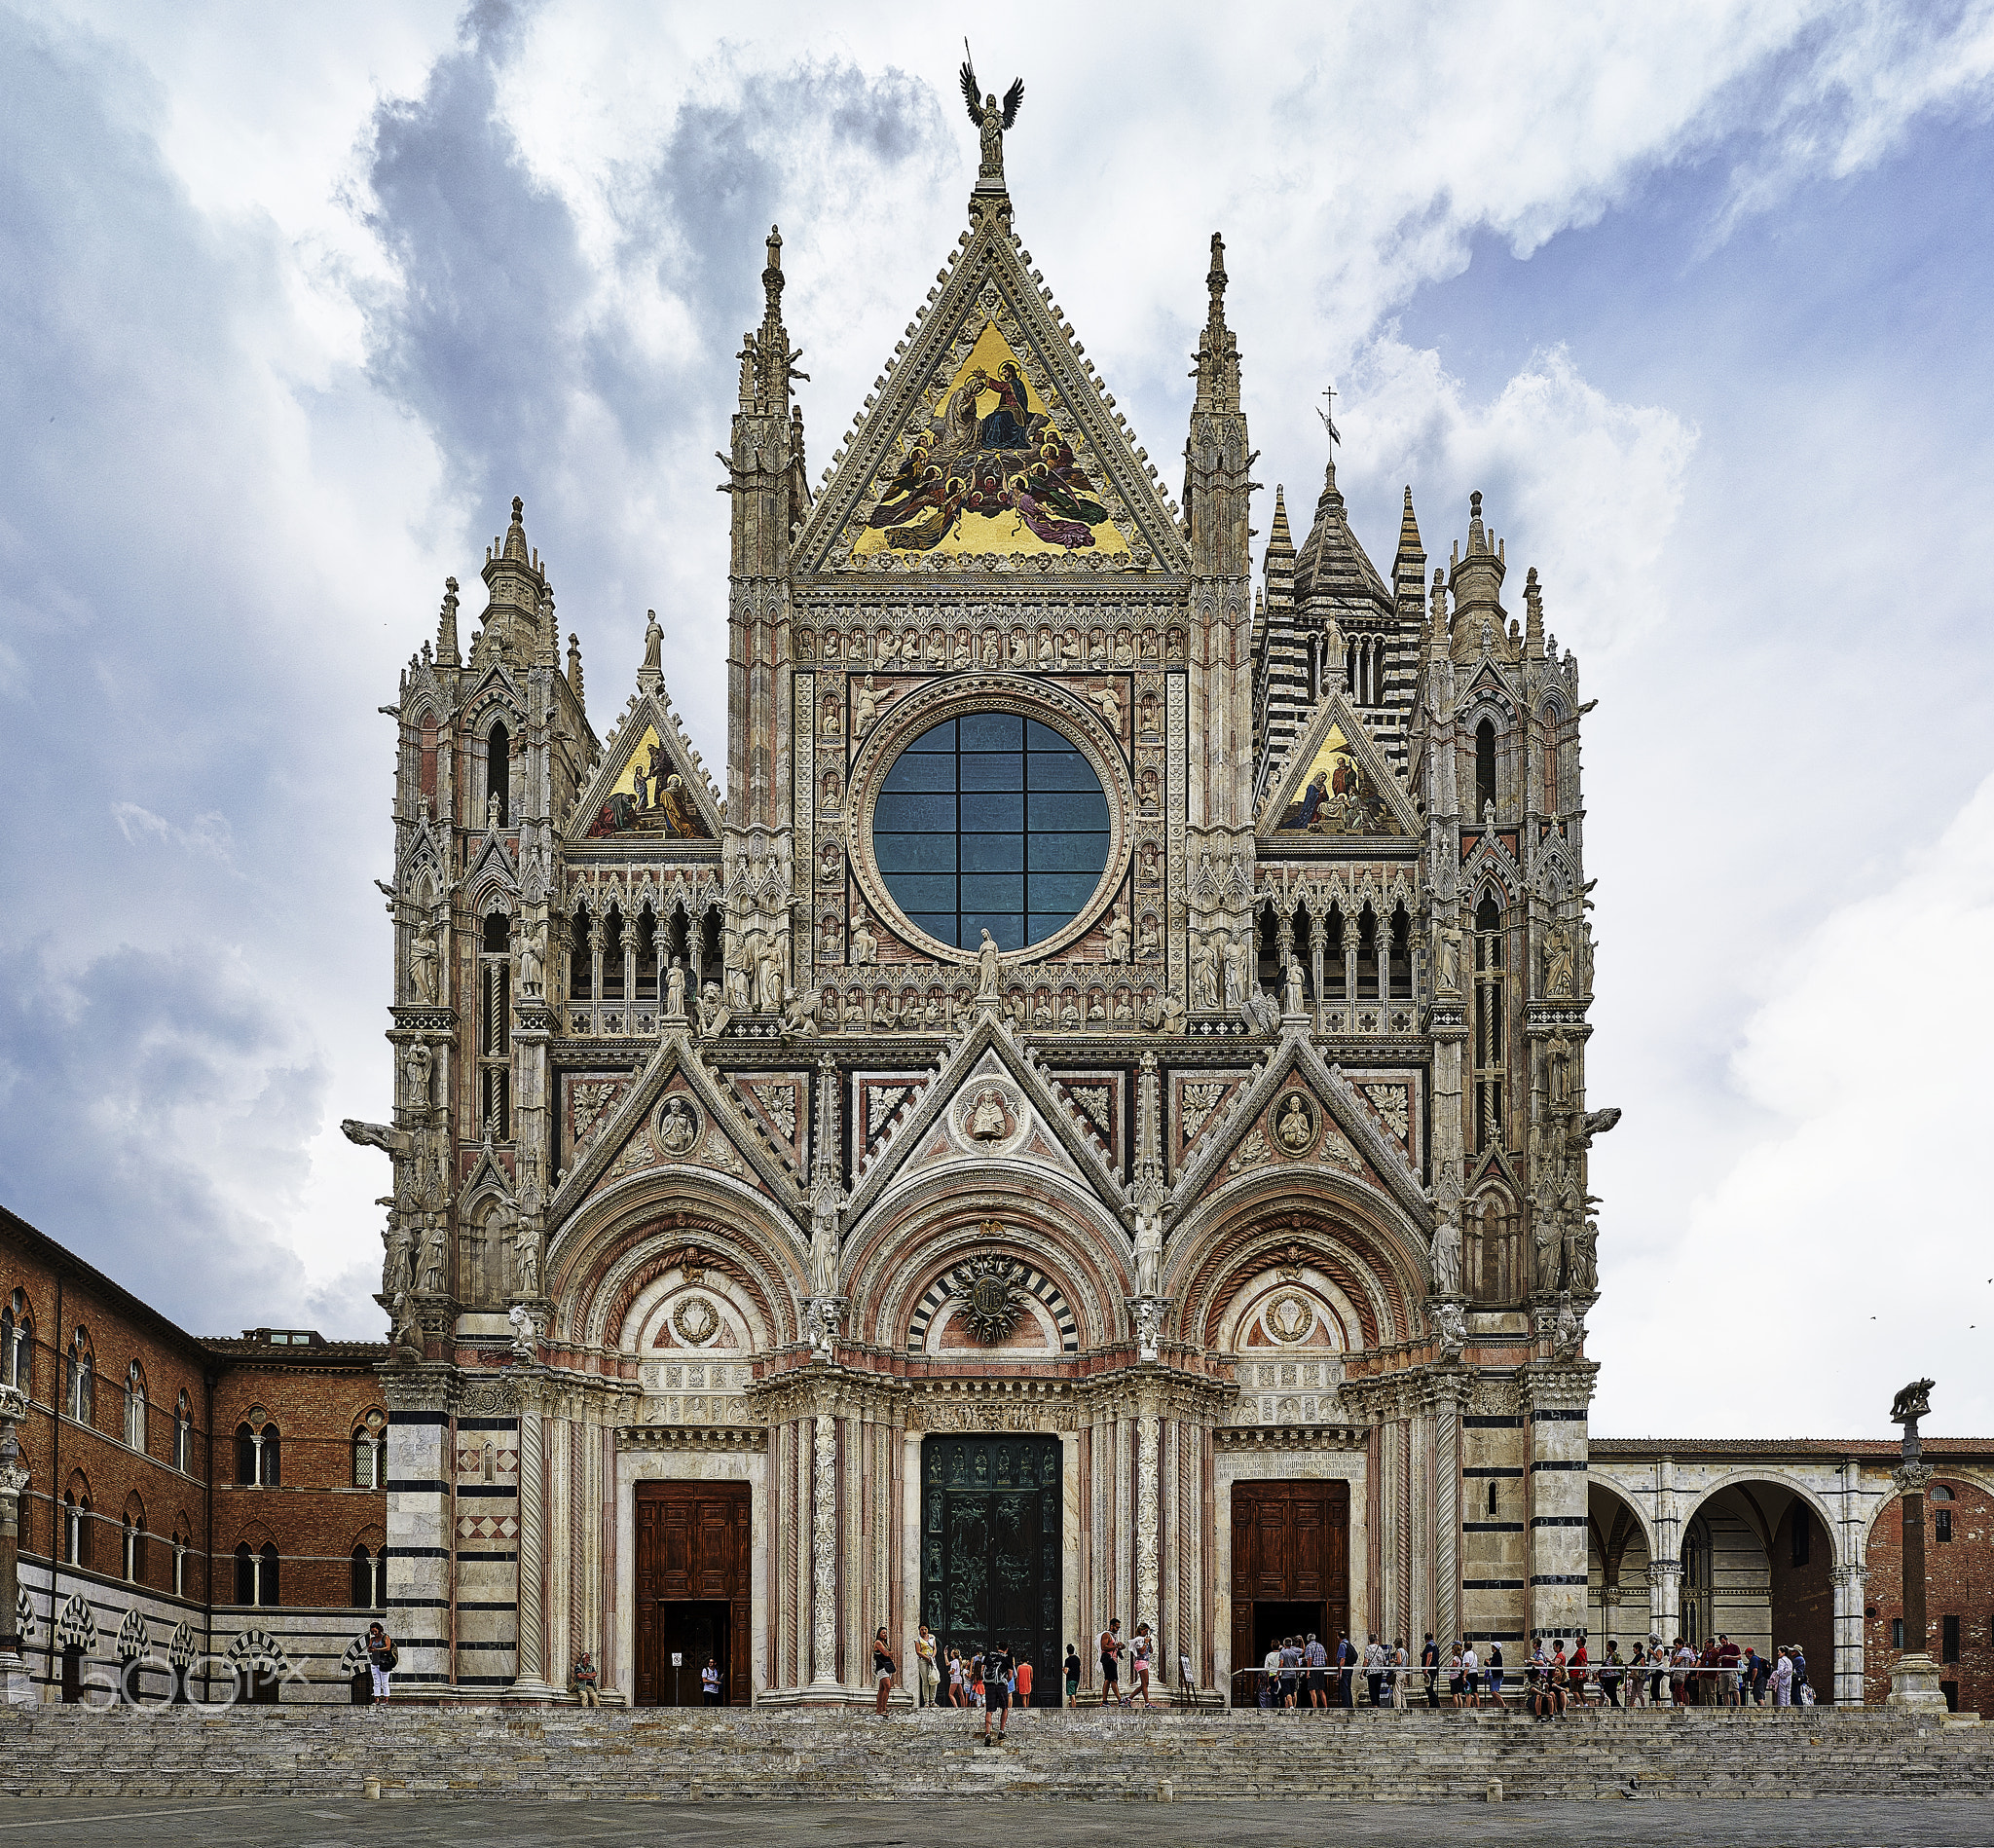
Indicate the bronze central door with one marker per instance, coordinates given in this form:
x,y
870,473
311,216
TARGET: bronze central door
x,y
990,1564
693,1587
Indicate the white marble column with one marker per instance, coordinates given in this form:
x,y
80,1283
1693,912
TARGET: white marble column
x,y
1148,1600
824,1553
1851,1588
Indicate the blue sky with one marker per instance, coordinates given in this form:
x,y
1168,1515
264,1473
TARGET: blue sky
x,y
293,302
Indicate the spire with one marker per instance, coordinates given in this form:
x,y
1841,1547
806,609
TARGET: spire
x,y
574,669
1218,348
446,627
1409,567
767,360
517,587
1475,579
1534,617
515,535
1277,562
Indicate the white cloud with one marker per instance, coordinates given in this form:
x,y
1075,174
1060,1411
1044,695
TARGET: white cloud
x,y
1846,1248
207,834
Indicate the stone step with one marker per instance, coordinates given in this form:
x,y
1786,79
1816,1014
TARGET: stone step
x,y
849,1755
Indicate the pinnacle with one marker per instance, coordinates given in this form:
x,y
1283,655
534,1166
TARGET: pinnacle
x,y
1409,528
1279,534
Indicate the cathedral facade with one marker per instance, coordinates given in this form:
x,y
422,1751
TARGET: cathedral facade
x,y
1087,1122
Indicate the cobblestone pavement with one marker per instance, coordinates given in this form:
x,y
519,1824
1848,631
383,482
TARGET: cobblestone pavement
x,y
481,1823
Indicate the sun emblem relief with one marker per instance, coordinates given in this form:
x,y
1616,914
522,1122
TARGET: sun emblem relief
x,y
990,1287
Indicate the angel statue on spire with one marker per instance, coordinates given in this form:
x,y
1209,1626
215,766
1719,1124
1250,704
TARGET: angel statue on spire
x,y
990,117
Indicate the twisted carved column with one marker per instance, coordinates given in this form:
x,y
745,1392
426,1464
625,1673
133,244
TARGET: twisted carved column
x,y
824,1555
1148,1583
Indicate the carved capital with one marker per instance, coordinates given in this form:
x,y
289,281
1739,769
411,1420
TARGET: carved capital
x,y
1912,1479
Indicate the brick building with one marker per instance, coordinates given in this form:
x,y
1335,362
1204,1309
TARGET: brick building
x,y
190,1502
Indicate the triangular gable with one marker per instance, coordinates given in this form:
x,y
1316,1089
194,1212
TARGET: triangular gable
x,y
983,484
1034,1123
1338,1133
1336,782
492,866
710,1130
648,784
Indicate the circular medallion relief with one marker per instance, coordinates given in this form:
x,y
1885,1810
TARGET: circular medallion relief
x,y
696,1320
1294,1123
1289,1317
677,1126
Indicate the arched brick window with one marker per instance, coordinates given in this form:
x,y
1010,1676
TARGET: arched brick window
x,y
135,1406
82,1394
259,1451
370,1451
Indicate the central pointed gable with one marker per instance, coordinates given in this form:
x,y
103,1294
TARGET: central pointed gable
x,y
648,784
991,438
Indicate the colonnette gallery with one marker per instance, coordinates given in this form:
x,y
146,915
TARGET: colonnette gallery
x,y
1092,1122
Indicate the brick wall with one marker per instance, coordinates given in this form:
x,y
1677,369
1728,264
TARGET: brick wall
x,y
1959,1582
1804,1598
314,1396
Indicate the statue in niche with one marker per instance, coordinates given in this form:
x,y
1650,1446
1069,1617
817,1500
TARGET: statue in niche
x,y
833,722
1582,1258
1148,942
1558,961
1069,1010
864,946
675,990
1292,986
1117,934
771,973
492,810
1152,863
1204,971
713,1014
1447,1257
1550,1250
1558,1071
1296,1129
432,1258
989,968
1125,651
1146,792
867,708
889,652
1125,1009
422,963
533,956
990,651
1045,648
1149,714
827,937
1447,957
1149,1249
526,1257
1238,971
834,789
1110,704
1096,1008
417,1064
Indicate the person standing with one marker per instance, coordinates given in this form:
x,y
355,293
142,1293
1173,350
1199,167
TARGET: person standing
x,y
583,1674
1471,1674
883,1669
1316,1659
1142,1650
1021,1682
1561,1680
1111,1663
1581,1671
1495,1674
1429,1666
1346,1670
1374,1668
1291,1673
1783,1681
1728,1658
710,1683
1400,1666
996,1688
927,1678
1799,1661
1609,1674
1270,1676
1072,1676
381,1660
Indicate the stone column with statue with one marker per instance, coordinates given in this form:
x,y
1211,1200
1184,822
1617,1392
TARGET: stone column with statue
x,y
1915,1677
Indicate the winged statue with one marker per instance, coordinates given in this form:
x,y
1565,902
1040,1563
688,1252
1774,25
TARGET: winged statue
x,y
990,116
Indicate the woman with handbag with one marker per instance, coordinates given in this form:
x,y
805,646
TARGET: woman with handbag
x,y
381,1658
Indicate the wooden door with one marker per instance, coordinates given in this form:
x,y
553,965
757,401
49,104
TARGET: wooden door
x,y
1291,1545
693,1549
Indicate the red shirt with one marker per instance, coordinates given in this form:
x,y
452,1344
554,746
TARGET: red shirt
x,y
1024,1680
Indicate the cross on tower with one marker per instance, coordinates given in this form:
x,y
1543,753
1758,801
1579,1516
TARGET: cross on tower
x,y
1328,416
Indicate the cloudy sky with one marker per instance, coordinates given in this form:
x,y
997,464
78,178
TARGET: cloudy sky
x,y
293,300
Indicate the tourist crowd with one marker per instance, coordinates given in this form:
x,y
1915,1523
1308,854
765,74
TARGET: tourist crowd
x,y
1302,1673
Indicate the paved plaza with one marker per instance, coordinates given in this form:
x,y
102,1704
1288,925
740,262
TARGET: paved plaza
x,y
480,1823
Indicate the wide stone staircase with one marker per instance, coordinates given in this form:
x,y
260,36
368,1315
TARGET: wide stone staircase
x,y
1114,1757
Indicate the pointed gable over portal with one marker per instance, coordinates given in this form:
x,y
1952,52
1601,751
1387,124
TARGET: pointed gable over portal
x,y
991,438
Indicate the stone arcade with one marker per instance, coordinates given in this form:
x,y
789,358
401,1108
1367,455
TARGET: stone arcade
x,y
1092,1124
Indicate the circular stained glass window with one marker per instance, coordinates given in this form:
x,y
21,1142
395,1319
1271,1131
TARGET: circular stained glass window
x,y
991,822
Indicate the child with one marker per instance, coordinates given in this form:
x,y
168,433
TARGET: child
x,y
1072,1676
